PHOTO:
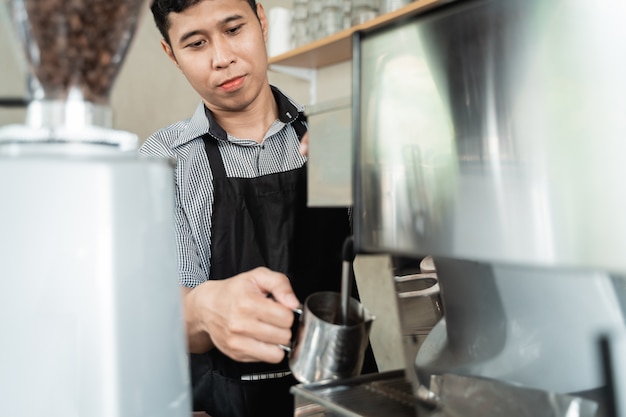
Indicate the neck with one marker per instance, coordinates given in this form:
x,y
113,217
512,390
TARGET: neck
x,y
252,122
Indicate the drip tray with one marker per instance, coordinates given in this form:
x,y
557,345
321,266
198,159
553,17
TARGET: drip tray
x,y
383,394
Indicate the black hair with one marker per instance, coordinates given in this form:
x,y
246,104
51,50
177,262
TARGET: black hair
x,y
161,10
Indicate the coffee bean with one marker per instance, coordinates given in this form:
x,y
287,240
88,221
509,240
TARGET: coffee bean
x,y
78,44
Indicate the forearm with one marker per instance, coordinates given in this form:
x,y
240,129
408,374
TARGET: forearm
x,y
198,339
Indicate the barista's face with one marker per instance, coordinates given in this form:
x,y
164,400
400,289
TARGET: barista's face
x,y
219,45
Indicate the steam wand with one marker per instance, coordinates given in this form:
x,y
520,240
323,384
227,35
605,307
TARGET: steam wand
x,y
346,277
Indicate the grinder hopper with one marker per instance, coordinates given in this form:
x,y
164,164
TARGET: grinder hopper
x,y
74,50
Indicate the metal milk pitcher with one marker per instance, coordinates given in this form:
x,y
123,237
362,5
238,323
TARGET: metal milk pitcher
x,y
324,348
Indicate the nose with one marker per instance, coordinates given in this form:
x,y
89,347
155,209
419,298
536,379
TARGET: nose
x,y
223,53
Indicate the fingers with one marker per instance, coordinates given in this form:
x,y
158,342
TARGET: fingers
x,y
304,144
255,351
246,324
255,337
276,284
255,341
267,324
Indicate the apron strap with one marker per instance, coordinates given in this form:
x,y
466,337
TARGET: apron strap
x,y
215,159
300,125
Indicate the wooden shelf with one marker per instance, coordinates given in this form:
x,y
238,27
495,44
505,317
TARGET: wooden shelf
x,y
338,47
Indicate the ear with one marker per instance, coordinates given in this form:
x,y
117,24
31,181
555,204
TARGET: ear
x,y
168,50
263,19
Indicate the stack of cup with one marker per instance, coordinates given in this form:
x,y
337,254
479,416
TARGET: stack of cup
x,y
387,6
315,19
299,24
279,36
347,14
331,17
363,10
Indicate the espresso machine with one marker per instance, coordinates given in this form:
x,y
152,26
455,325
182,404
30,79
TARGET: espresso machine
x,y
489,141
90,309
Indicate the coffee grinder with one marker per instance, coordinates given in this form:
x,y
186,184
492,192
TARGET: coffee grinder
x,y
90,309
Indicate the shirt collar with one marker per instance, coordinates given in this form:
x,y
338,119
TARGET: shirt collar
x,y
203,122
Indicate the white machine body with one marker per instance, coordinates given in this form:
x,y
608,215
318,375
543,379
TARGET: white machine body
x,y
90,308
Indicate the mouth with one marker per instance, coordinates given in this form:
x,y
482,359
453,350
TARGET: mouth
x,y
232,84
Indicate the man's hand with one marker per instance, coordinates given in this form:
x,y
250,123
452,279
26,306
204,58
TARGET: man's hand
x,y
236,316
304,144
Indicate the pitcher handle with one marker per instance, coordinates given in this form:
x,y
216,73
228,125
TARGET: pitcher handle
x,y
294,329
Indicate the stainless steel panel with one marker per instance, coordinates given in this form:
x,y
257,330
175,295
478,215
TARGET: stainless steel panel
x,y
419,308
330,153
494,130
373,395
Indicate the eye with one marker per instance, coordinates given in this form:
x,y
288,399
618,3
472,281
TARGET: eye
x,y
234,30
196,44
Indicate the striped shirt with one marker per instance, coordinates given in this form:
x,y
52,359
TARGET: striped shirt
x,y
243,158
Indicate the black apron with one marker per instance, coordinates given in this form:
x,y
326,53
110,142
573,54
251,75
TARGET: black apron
x,y
265,221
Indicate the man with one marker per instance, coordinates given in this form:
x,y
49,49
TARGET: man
x,y
249,249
